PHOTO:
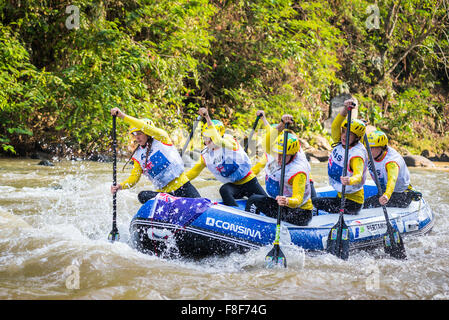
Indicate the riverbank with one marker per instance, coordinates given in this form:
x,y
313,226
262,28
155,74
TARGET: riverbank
x,y
191,157
317,148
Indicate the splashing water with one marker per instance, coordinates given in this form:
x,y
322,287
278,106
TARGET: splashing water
x,y
53,245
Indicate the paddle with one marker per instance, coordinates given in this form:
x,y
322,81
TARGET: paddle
x,y
338,238
276,257
251,133
195,124
114,235
393,244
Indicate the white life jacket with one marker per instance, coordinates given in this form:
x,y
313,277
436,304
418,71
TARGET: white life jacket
x,y
302,157
227,165
163,164
273,176
403,180
336,162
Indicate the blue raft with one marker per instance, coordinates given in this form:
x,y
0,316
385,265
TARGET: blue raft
x,y
197,228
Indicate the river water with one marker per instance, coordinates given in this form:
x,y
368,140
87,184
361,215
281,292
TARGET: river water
x,y
54,223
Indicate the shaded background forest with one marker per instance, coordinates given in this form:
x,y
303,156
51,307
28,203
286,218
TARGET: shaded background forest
x,y
64,64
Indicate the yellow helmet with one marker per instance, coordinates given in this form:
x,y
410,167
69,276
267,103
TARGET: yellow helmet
x,y
293,144
217,124
147,122
358,127
377,139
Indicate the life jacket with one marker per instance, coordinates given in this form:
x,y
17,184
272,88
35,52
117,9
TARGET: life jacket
x,y
227,165
163,164
403,180
302,157
273,176
336,162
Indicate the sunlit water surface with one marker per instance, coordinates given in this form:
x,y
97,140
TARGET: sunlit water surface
x,y
54,223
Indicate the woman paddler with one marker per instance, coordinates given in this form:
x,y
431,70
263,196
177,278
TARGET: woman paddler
x,y
297,188
392,172
156,158
227,161
357,164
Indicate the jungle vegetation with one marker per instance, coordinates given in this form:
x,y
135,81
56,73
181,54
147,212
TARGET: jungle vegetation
x,y
64,64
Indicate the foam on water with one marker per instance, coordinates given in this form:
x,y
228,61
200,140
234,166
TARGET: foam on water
x,y
55,222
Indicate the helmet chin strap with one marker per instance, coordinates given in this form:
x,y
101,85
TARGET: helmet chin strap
x,y
350,145
354,142
290,160
381,153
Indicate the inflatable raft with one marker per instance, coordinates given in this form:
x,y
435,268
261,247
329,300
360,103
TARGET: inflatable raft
x,y
196,228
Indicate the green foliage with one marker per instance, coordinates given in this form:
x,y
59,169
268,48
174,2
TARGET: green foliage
x,y
136,55
279,56
22,91
411,106
164,59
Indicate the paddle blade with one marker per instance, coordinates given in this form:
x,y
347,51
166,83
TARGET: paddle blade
x,y
275,258
338,240
114,236
393,244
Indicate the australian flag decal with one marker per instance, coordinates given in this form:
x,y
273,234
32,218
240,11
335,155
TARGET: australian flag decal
x,y
177,210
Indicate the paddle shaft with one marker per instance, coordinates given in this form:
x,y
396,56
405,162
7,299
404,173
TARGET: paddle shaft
x,y
251,133
195,124
390,230
338,247
114,173
376,178
281,185
345,161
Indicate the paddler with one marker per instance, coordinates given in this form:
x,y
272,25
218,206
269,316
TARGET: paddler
x,y
357,164
227,161
393,174
297,187
156,158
